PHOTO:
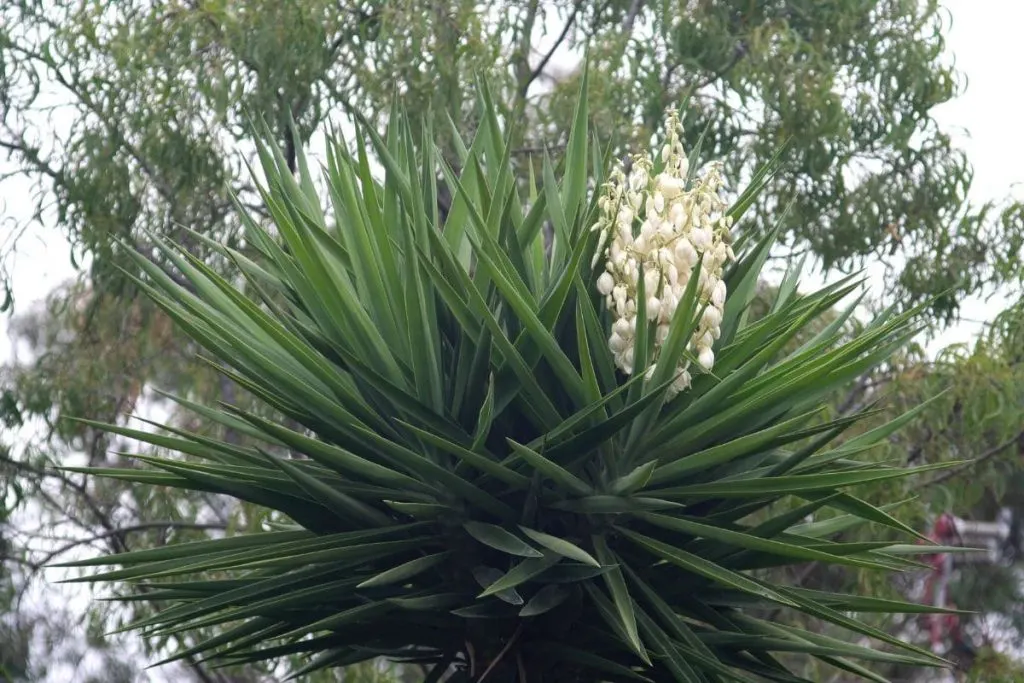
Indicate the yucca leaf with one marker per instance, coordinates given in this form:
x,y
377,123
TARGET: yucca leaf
x,y
581,443
591,660
704,568
765,439
556,212
194,549
334,457
488,576
813,608
342,505
422,511
573,573
792,484
676,663
515,362
634,481
424,467
500,539
614,505
521,573
575,183
560,546
545,600
616,585
480,462
551,470
748,541
676,626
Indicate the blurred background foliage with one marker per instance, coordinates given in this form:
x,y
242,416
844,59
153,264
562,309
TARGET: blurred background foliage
x,y
119,120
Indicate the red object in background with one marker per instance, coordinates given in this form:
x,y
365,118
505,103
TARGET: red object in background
x,y
943,532
987,539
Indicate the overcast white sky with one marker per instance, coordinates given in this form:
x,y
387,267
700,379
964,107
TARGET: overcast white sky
x,y
985,40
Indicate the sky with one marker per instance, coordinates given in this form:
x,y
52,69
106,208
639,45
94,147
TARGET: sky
x,y
983,38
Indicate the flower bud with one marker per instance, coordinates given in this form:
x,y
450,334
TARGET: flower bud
x,y
711,318
677,214
718,294
673,274
652,278
684,164
706,358
638,179
682,381
623,328
605,283
720,252
626,361
659,202
653,308
649,228
669,186
617,344
625,217
685,252
619,294
701,238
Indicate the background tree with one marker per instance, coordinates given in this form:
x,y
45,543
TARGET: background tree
x,y
131,119
973,414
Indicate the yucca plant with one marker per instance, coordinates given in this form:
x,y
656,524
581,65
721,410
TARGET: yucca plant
x,y
539,438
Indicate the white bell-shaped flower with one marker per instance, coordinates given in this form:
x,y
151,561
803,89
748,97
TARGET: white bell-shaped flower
x,y
677,227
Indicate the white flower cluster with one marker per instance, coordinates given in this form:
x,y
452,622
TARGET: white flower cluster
x,y
657,223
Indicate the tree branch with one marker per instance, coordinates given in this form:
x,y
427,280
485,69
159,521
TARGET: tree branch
x,y
558,43
501,655
521,57
856,392
987,455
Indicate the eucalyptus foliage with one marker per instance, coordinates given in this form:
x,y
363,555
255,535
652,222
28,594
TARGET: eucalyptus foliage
x,y
153,100
464,479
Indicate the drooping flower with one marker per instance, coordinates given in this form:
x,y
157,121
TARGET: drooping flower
x,y
662,225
